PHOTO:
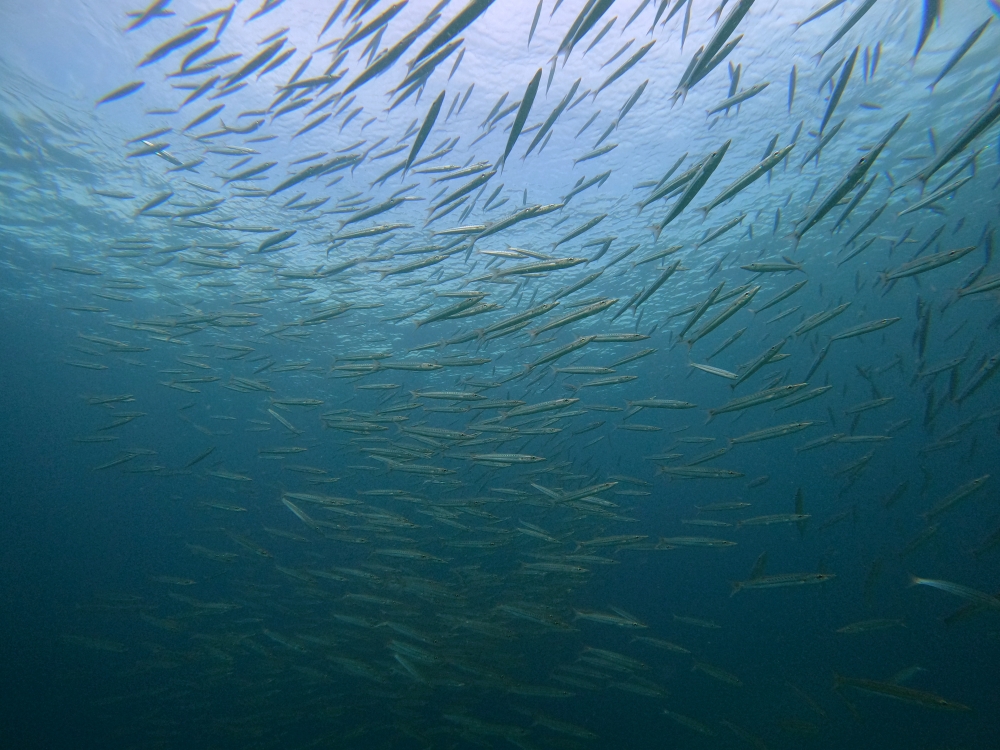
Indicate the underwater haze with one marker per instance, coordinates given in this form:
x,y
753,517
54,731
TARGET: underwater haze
x,y
500,373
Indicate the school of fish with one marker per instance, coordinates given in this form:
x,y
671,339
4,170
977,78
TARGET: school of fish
x,y
503,402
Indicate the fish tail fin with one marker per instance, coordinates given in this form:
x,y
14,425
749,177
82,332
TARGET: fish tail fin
x,y
792,262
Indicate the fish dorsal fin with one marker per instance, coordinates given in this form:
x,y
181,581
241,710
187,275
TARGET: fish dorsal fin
x,y
759,567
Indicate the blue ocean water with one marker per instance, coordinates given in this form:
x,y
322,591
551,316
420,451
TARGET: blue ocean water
x,y
282,471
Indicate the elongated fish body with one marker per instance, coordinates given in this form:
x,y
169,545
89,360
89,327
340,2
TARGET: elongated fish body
x,y
695,185
742,96
928,263
749,177
848,182
863,328
755,399
898,692
738,304
782,581
976,126
838,91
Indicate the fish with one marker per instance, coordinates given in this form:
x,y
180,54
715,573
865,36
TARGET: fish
x,y
959,53
849,24
121,92
585,312
425,130
717,673
749,177
818,149
782,581
898,692
755,399
769,433
624,67
606,618
773,266
522,113
738,304
453,28
792,79
717,49
739,97
551,119
867,626
583,228
983,119
173,44
697,472
820,12
695,541
863,328
931,16
697,182
927,263
838,90
847,183
596,152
